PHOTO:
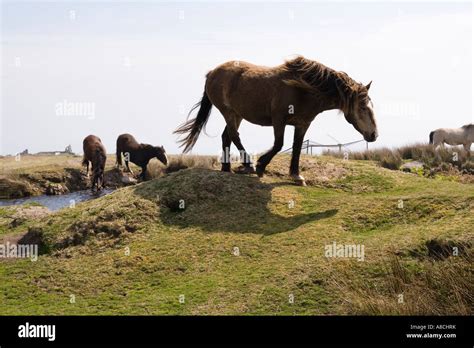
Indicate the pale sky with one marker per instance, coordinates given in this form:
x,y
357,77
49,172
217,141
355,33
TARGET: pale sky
x,y
141,66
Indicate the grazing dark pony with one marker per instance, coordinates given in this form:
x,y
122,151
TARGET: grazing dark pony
x,y
94,152
140,154
290,94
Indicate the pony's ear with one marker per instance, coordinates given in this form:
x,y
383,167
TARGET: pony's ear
x,y
368,86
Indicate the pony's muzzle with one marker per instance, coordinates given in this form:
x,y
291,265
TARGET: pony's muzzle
x,y
371,137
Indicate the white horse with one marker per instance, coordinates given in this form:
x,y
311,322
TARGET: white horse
x,y
454,136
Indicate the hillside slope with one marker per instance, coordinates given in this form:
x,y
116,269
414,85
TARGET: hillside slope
x,y
199,241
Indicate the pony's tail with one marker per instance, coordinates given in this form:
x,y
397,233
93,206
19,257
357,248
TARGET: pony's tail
x,y
194,126
431,137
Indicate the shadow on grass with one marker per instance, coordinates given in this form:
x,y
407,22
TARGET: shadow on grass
x,y
223,202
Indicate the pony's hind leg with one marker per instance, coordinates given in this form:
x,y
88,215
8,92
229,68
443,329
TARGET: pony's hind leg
x,y
233,122
118,159
226,142
127,160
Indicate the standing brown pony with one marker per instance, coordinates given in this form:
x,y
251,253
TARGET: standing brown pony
x,y
293,93
140,154
94,152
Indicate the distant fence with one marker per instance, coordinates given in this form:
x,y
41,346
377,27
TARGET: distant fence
x,y
309,144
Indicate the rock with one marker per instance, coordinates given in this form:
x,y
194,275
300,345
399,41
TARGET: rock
x,y
55,189
128,180
407,167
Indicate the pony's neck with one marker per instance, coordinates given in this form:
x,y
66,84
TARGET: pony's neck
x,y
333,102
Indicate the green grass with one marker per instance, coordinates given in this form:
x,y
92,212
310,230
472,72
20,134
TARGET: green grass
x,y
280,231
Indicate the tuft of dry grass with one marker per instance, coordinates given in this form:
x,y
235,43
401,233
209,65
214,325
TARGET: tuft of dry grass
x,y
443,159
436,286
392,161
180,162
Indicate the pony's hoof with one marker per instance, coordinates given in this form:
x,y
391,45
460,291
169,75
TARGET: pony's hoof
x,y
225,167
300,183
260,171
299,180
245,170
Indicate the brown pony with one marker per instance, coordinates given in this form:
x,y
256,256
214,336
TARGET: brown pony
x,y
94,152
290,94
140,154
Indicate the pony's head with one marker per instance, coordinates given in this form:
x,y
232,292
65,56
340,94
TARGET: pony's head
x,y
98,180
98,166
351,97
358,109
160,154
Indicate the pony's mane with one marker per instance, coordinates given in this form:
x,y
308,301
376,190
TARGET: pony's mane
x,y
468,126
317,78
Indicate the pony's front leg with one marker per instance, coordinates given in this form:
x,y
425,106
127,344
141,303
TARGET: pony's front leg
x,y
300,131
128,168
143,173
467,147
87,169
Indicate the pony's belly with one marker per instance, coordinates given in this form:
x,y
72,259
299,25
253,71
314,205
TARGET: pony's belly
x,y
256,118
261,122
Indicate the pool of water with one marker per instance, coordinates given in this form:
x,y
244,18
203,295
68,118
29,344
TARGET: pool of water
x,y
59,201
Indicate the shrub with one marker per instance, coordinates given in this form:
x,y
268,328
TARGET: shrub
x,y
442,159
179,162
391,161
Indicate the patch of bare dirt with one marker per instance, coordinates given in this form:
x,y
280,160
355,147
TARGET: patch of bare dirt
x,y
27,213
315,172
438,249
116,178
